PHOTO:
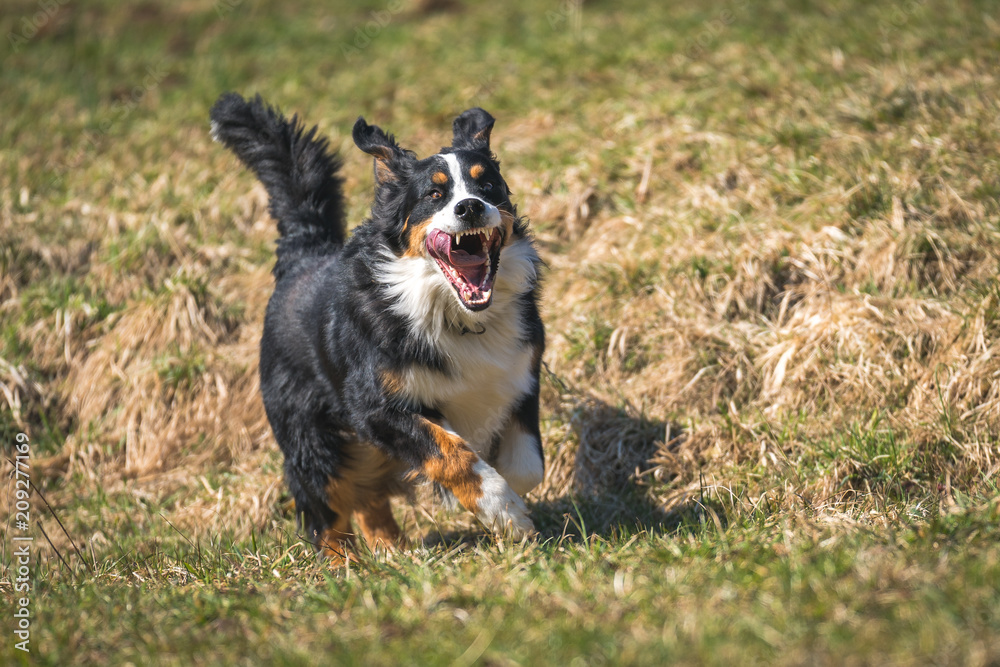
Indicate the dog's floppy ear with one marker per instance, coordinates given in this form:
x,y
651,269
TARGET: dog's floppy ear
x,y
472,130
388,155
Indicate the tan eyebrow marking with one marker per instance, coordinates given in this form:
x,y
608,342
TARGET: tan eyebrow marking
x,y
440,178
477,170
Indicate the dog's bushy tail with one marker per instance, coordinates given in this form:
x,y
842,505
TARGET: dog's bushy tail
x,y
296,168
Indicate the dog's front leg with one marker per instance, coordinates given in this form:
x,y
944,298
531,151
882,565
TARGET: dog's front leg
x,y
445,458
519,457
476,484
520,460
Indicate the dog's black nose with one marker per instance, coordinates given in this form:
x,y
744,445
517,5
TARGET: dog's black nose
x,y
469,210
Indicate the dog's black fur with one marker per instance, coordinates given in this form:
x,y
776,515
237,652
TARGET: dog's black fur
x,y
358,384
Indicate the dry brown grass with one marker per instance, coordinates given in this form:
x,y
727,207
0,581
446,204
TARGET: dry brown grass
x,y
716,305
164,390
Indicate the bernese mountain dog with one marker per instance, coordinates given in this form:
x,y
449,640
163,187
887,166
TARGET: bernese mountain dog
x,y
410,349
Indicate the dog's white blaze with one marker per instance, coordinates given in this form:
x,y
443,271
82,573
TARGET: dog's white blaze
x,y
445,219
500,508
519,461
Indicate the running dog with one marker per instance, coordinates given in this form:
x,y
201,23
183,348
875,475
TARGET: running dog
x,y
411,348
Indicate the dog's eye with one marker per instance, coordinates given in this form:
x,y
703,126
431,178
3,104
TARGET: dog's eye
x,y
435,194
487,186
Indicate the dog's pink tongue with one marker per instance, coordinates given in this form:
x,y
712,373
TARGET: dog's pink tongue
x,y
473,267
439,243
474,274
462,258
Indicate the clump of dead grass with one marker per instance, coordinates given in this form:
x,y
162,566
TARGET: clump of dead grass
x,y
880,299
161,394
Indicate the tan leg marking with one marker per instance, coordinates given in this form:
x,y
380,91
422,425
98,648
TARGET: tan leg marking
x,y
337,540
454,468
379,526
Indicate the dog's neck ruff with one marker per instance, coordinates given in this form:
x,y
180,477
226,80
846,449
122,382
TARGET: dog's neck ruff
x,y
419,293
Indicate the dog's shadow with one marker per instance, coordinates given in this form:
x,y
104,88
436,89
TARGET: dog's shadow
x,y
609,515
606,497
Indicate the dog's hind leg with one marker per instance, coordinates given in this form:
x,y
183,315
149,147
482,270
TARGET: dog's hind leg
x,y
361,486
379,526
336,539
324,504
317,470
376,478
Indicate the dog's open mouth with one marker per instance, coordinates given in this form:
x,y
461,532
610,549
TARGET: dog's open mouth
x,y
469,261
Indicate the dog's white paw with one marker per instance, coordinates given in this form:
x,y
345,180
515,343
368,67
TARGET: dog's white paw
x,y
520,460
502,510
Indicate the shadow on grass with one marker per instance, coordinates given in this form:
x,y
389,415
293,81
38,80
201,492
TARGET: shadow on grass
x,y
607,515
605,499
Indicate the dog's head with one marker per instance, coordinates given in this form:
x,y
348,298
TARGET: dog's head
x,y
450,212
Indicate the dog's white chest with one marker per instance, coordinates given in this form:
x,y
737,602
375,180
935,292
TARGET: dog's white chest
x,y
489,373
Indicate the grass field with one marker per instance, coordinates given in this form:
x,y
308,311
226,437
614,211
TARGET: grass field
x,y
771,404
